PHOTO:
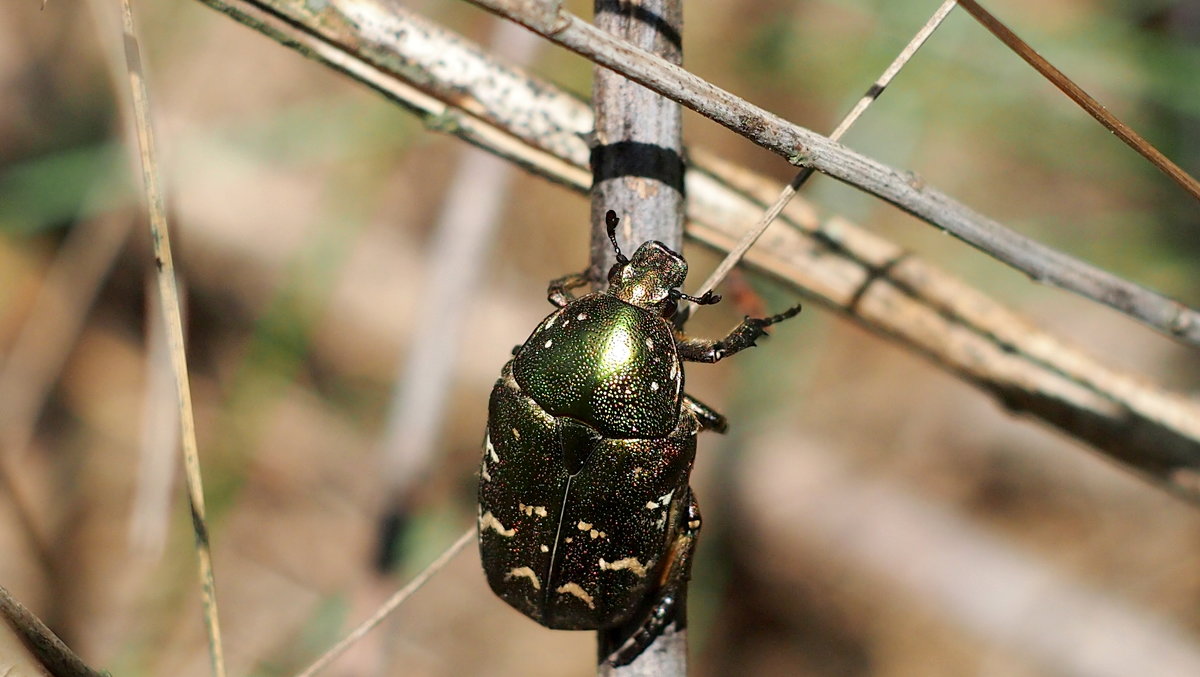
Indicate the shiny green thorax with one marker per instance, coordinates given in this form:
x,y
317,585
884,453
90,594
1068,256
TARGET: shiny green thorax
x,y
606,363
608,360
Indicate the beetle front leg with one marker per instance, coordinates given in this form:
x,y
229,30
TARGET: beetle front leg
x,y
673,587
743,336
559,291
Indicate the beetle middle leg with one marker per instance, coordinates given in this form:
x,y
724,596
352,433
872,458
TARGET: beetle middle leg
x,y
559,291
743,336
709,418
672,586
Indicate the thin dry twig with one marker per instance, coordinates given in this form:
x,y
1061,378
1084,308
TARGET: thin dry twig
x,y
55,656
1093,107
803,147
169,292
459,88
389,606
872,93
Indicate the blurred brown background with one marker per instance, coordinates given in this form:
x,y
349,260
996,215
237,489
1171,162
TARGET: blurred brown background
x,y
868,514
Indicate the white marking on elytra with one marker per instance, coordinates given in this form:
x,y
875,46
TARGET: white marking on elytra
x,y
544,548
548,343
666,498
694,524
674,371
531,510
651,505
597,534
654,385
649,343
516,434
488,521
568,539
483,473
583,526
662,521
550,322
631,563
524,572
491,449
576,590
581,317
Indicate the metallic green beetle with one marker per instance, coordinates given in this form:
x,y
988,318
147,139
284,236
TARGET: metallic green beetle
x,y
586,519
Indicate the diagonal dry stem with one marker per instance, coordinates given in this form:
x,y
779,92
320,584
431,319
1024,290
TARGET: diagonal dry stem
x,y
169,292
389,606
805,148
53,656
1093,107
789,191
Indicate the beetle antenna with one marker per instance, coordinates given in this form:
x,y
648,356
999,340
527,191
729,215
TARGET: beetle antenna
x,y
707,299
611,221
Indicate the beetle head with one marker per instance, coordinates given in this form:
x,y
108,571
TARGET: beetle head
x,y
649,278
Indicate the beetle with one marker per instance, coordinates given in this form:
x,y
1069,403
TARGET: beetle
x,y
586,517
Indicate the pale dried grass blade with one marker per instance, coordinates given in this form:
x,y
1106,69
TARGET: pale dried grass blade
x,y
389,606
170,301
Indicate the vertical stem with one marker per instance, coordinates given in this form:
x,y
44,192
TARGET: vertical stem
x,y
637,171
637,163
169,297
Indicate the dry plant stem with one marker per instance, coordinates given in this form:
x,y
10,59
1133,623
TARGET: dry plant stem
x,y
170,301
355,36
456,85
391,605
803,175
637,171
56,658
1093,107
637,141
804,147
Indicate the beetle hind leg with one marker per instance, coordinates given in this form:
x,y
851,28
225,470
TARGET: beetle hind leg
x,y
620,646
